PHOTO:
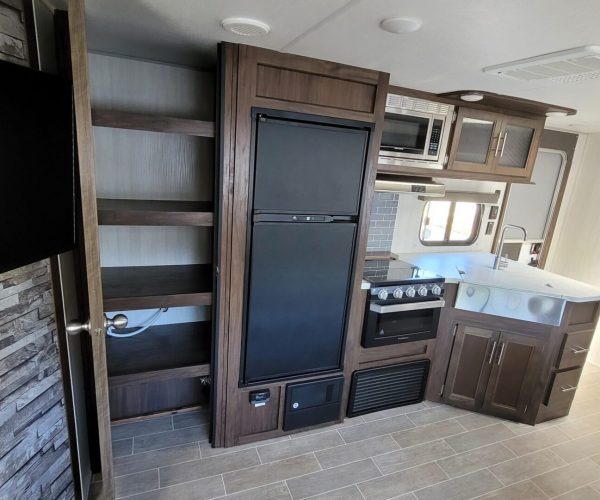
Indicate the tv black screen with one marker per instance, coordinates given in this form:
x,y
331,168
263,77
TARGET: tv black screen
x,y
37,195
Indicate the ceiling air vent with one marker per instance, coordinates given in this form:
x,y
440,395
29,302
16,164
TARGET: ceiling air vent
x,y
566,66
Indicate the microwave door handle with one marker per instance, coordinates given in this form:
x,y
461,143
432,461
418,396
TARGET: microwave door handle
x,y
392,308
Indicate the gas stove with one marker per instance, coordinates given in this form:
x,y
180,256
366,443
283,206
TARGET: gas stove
x,y
396,279
403,305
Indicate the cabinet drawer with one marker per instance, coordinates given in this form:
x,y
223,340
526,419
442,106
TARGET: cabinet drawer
x,y
574,349
563,388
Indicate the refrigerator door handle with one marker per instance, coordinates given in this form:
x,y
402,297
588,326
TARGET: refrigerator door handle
x,y
261,217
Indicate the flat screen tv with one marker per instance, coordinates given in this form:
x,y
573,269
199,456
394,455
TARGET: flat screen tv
x,y
37,175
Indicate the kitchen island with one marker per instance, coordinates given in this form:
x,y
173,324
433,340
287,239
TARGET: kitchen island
x,y
514,342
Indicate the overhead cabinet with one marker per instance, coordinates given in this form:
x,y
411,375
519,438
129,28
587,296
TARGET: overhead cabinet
x,y
494,143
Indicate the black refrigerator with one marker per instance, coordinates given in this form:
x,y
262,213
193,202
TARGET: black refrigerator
x,y
305,197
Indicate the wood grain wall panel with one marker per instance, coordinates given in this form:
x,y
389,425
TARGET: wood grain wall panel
x,y
306,88
153,166
255,420
125,84
152,397
155,246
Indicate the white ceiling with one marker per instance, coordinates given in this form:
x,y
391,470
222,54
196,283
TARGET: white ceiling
x,y
458,38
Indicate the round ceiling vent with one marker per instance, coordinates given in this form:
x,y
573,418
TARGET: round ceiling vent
x,y
245,27
399,25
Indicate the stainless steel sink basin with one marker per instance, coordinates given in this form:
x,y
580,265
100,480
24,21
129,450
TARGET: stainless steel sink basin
x,y
508,303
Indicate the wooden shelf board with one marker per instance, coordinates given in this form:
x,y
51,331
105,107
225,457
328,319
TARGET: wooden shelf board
x,y
449,174
160,353
152,123
147,287
154,213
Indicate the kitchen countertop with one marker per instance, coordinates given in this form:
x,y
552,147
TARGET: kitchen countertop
x,y
477,268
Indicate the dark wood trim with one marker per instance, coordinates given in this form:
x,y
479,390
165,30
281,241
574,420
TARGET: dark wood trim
x,y
91,247
148,287
61,340
357,300
154,213
152,123
228,67
165,413
509,103
32,46
200,370
449,174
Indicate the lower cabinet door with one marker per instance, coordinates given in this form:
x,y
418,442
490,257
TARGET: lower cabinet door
x,y
470,365
512,380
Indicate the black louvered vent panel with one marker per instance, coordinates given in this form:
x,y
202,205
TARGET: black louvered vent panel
x,y
380,388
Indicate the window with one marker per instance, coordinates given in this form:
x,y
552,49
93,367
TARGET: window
x,y
450,223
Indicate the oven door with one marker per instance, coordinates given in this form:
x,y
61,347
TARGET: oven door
x,y
387,324
406,135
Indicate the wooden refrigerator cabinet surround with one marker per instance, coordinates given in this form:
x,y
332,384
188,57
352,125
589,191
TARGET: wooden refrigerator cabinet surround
x,y
513,369
252,77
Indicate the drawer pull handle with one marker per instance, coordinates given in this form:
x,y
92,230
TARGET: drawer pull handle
x,y
568,388
577,349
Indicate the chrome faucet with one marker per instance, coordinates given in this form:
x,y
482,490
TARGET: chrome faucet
x,y
498,259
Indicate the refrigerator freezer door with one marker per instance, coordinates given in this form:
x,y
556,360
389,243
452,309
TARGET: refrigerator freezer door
x,y
298,291
308,167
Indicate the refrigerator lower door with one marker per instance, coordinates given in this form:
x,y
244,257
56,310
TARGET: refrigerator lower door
x,y
297,298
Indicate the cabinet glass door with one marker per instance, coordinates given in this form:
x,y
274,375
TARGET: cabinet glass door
x,y
515,145
475,140
475,137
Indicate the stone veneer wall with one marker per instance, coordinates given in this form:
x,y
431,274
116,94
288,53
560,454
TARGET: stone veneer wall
x,y
34,450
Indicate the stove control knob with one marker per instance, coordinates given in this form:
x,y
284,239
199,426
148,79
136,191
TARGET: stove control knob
x,y
436,290
423,291
398,293
382,294
410,292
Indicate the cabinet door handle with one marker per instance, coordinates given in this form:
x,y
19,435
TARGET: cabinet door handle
x,y
497,146
492,353
568,388
503,144
502,344
577,349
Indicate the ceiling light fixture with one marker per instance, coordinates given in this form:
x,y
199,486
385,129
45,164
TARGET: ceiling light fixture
x,y
245,27
556,113
399,25
471,96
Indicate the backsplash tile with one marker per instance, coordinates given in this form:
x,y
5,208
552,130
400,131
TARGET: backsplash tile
x,y
383,220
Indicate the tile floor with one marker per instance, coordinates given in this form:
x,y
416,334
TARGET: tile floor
x,y
420,452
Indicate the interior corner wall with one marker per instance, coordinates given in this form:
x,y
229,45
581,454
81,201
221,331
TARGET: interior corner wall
x,y
575,249
34,447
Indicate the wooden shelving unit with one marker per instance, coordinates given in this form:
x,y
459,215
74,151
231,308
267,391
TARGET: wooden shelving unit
x,y
152,123
148,287
157,354
154,213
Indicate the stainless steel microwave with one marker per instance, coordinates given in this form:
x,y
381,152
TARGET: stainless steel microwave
x,y
415,132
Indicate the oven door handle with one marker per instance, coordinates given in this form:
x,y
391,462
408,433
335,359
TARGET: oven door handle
x,y
430,304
